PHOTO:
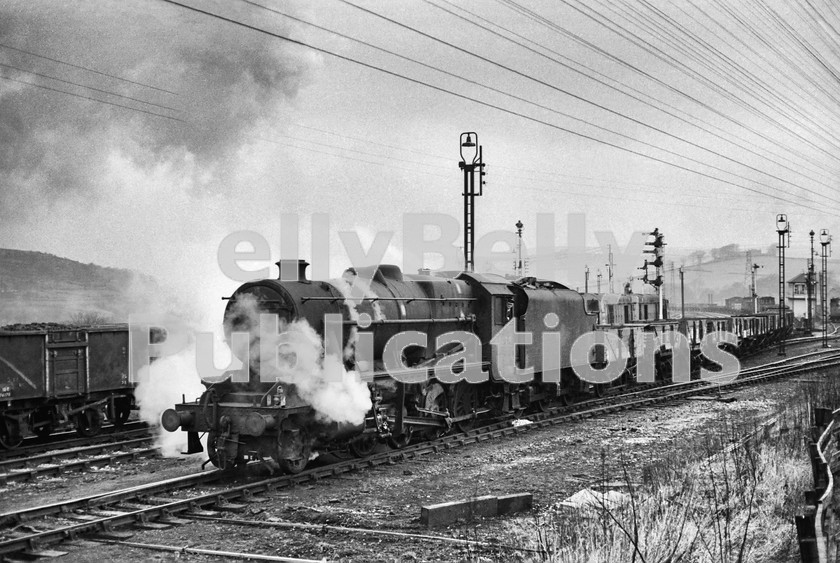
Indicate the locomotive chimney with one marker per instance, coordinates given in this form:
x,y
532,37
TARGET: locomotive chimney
x,y
293,270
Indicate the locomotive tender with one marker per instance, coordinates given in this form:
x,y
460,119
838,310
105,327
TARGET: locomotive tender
x,y
256,419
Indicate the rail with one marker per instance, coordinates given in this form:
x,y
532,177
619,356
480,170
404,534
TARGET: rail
x,y
817,528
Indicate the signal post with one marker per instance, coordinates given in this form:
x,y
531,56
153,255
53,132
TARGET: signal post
x,y
657,243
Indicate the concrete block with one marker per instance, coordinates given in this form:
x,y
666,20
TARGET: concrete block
x,y
446,513
521,502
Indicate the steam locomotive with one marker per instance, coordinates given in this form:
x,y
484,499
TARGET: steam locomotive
x,y
257,417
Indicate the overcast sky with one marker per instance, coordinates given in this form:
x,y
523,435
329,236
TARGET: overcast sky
x,y
703,118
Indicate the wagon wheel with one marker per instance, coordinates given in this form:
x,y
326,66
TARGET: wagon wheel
x,y
9,436
464,401
88,423
600,389
363,446
119,411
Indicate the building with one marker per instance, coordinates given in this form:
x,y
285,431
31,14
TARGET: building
x,y
797,296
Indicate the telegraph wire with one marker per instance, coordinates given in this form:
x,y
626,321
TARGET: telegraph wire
x,y
546,107
782,76
664,57
728,62
92,99
545,22
637,98
390,157
489,105
607,109
5,46
555,190
653,189
342,136
88,87
688,70
784,57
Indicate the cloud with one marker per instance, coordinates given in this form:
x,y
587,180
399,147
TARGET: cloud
x,y
229,82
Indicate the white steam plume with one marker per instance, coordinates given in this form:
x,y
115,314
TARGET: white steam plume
x,y
321,380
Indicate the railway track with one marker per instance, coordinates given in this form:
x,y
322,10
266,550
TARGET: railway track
x,y
34,446
213,493
76,459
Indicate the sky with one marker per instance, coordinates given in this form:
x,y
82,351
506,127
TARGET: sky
x,y
139,134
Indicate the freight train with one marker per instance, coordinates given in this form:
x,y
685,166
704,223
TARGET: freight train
x,y
62,376
253,417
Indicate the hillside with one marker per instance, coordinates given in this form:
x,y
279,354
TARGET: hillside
x,y
40,287
725,277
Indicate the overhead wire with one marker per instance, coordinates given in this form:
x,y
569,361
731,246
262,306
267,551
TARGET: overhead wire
x,y
100,90
59,61
459,77
92,99
659,105
771,47
607,109
490,105
659,102
727,65
579,180
597,17
517,8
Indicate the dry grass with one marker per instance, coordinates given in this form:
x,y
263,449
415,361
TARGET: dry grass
x,y
734,501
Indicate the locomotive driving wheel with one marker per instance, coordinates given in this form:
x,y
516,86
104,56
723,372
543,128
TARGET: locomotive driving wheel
x,y
404,439
292,449
216,457
567,399
363,446
600,389
464,401
542,405
295,466
401,441
435,401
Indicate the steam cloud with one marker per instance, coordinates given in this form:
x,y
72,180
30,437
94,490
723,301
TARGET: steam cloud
x,y
320,379
160,387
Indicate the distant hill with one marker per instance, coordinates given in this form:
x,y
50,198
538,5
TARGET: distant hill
x,y
727,276
40,287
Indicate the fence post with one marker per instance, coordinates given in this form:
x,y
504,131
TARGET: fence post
x,y
807,537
